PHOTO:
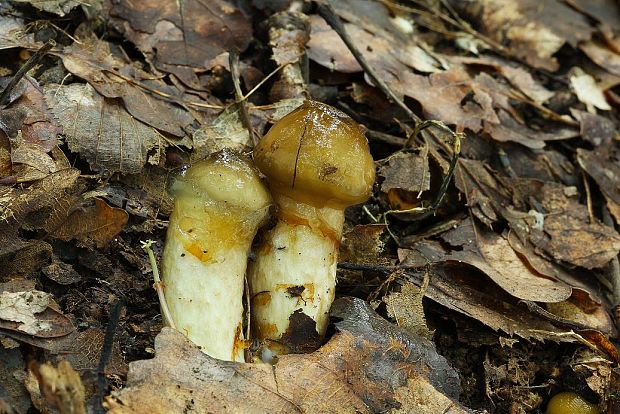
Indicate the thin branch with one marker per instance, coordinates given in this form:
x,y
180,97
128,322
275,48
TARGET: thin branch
x,y
30,63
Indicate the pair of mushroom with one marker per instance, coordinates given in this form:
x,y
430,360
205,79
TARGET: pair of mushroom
x,y
316,162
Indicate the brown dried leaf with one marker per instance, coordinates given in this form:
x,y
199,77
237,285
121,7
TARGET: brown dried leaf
x,y
29,114
443,96
364,243
603,165
31,312
567,227
58,7
594,128
390,52
183,34
458,288
93,225
112,77
602,56
364,368
102,131
493,255
226,131
406,171
406,308
533,33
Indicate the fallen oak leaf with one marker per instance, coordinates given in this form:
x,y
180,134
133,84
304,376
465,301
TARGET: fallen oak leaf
x,y
368,366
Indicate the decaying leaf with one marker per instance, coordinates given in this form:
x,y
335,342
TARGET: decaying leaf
x,y
21,307
406,308
139,92
226,131
594,128
406,171
29,312
102,131
369,366
93,225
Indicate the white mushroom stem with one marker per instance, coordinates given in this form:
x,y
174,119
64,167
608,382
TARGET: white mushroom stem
x,y
295,268
218,209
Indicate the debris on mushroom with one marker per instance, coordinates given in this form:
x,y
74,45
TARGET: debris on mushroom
x,y
219,204
317,162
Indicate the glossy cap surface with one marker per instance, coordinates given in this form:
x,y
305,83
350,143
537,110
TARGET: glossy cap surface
x,y
318,155
227,177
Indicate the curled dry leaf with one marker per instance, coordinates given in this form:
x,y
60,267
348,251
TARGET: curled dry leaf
x,y
459,289
368,366
102,131
29,114
492,254
602,56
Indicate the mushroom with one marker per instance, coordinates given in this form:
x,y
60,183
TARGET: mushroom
x,y
218,206
570,403
317,162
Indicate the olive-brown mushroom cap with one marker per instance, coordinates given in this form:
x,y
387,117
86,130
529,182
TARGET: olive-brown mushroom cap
x,y
225,176
318,155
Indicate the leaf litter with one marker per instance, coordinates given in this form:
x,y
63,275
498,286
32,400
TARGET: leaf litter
x,y
514,271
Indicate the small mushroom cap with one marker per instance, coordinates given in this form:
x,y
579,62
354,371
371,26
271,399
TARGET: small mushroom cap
x,y
225,176
318,155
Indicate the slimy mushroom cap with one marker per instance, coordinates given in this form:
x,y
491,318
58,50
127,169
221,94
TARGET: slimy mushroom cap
x,y
318,155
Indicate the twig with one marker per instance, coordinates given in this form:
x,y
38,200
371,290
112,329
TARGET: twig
x,y
30,63
158,285
233,61
327,12
106,351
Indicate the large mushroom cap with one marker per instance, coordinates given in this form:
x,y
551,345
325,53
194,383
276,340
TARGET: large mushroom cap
x,y
319,155
225,176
